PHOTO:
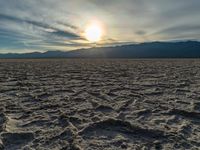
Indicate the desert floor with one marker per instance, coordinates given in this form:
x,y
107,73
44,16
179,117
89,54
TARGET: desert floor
x,y
76,104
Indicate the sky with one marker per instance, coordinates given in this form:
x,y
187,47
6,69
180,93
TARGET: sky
x,y
42,25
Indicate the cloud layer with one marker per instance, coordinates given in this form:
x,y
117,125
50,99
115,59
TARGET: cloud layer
x,y
42,25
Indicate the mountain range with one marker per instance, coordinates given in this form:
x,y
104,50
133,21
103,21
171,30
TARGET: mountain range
x,y
184,49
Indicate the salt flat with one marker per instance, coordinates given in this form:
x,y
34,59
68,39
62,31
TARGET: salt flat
x,y
76,104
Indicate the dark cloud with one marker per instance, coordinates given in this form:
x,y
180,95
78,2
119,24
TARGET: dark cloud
x,y
140,32
66,34
180,29
57,31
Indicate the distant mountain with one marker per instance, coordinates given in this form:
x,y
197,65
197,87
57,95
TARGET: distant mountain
x,y
188,49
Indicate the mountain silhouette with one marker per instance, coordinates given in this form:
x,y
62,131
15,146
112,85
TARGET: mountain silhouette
x,y
186,49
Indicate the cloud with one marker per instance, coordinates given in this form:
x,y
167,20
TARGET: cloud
x,y
48,24
66,34
140,32
55,30
32,32
180,29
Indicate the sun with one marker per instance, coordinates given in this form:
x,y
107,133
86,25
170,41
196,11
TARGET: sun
x,y
93,32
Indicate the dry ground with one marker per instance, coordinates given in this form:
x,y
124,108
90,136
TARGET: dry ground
x,y
99,104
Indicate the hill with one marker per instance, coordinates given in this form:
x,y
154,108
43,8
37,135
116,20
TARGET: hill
x,y
188,49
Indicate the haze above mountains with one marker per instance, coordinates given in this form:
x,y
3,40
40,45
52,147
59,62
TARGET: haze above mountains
x,y
184,49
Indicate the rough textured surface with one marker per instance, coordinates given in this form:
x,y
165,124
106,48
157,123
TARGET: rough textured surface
x,y
99,104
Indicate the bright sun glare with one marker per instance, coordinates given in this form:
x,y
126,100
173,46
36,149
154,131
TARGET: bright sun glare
x,y
93,32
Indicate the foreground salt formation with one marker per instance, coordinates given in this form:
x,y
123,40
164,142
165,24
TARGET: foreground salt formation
x,y
99,104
